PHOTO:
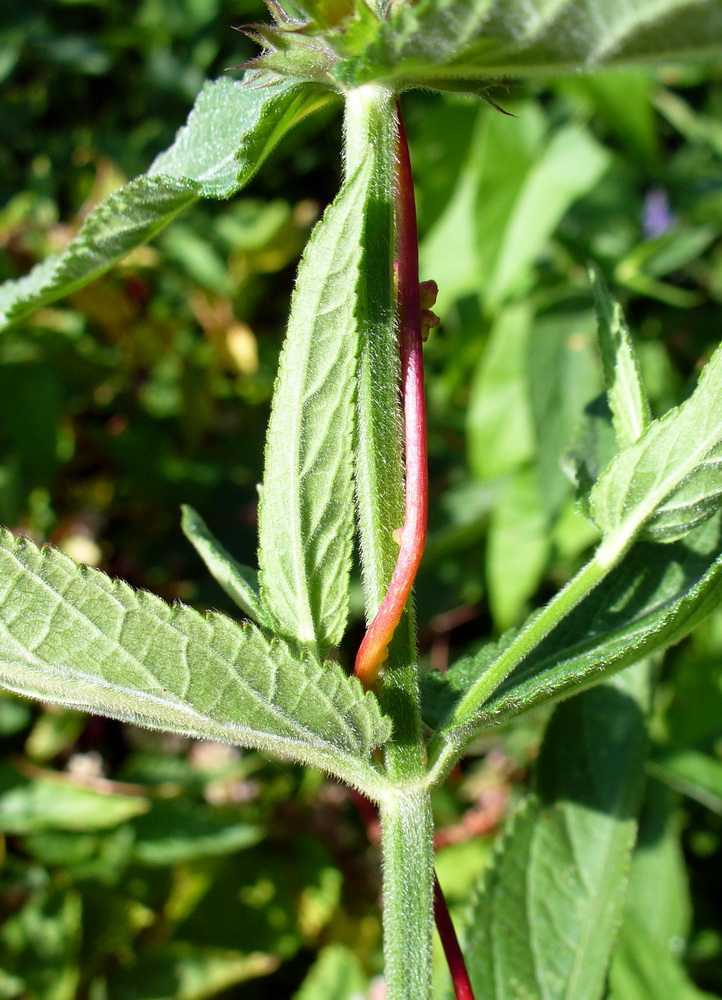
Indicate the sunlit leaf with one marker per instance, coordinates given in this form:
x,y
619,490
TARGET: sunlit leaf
x,y
71,635
232,128
306,515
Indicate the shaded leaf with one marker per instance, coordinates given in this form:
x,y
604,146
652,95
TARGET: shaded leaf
x,y
306,515
44,804
71,635
40,947
179,831
183,971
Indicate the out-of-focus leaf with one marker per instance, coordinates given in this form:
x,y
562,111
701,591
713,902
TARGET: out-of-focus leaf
x,y
518,547
622,98
40,947
335,975
182,971
306,514
270,898
658,895
516,185
564,375
645,970
232,128
569,165
543,923
179,831
71,635
695,774
28,806
499,430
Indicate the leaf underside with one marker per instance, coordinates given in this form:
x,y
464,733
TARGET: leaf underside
x,y
651,600
233,127
467,40
71,635
306,514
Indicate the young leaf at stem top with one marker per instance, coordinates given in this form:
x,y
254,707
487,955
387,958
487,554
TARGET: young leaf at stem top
x,y
306,514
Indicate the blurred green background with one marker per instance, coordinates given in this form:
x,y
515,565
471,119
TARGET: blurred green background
x,y
141,867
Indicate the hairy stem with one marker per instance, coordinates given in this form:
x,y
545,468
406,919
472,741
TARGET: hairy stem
x,y
406,838
371,119
374,648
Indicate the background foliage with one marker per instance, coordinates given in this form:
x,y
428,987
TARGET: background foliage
x,y
143,866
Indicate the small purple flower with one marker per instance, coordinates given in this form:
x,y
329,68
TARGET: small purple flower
x,y
657,217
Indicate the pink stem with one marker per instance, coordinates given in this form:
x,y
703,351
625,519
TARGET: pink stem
x,y
374,648
450,942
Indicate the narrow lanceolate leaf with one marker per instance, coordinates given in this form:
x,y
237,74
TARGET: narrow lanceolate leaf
x,y
671,479
654,597
628,402
306,515
543,924
72,636
232,128
441,41
239,582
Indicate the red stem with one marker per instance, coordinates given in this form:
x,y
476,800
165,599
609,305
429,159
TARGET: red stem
x,y
450,942
374,648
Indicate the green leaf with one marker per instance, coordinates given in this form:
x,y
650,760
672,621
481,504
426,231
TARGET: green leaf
x,y
239,582
535,178
652,599
671,479
73,636
232,128
518,547
40,946
643,969
659,894
563,375
185,972
179,830
306,513
543,924
693,773
335,975
441,43
628,402
43,804
499,427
